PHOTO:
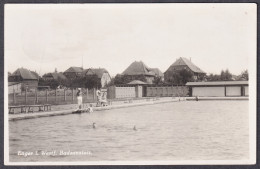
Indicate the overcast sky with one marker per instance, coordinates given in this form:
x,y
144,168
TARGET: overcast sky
x,y
112,36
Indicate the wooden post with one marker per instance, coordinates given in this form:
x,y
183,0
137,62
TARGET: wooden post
x,y
190,91
94,94
46,95
14,101
64,94
87,94
225,91
25,95
55,95
72,95
36,95
136,91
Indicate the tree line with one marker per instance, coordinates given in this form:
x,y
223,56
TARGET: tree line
x,y
182,77
80,82
177,78
225,75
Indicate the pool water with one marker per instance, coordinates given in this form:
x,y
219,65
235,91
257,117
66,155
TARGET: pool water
x,y
188,130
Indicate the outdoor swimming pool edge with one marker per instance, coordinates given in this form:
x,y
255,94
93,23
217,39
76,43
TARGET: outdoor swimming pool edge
x,y
15,117
65,112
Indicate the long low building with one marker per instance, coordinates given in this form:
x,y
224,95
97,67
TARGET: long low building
x,y
218,88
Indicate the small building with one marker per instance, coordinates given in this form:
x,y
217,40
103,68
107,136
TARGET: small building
x,y
140,87
27,78
218,88
181,64
73,72
138,70
101,73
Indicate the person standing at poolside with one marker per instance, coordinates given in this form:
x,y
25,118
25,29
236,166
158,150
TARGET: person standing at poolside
x,y
98,93
79,98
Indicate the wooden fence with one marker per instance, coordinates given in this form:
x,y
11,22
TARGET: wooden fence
x,y
166,91
58,96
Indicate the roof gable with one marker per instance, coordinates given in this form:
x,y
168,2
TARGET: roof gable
x,y
55,75
186,62
96,71
138,68
25,74
74,69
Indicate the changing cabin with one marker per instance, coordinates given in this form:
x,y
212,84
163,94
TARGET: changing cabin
x,y
218,88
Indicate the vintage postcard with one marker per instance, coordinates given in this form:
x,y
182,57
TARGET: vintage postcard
x,y
146,84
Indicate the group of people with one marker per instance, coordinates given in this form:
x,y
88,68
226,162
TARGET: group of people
x,y
101,100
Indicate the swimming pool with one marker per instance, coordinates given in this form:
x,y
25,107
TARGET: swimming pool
x,y
188,130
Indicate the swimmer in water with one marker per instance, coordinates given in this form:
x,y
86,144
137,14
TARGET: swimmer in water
x,y
94,125
134,128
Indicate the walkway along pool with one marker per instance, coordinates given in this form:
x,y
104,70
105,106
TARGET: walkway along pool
x,y
189,130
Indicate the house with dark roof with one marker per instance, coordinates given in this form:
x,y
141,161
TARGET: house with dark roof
x,y
181,64
137,69
27,78
54,76
73,72
101,73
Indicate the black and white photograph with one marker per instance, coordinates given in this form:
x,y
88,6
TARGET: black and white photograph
x,y
130,84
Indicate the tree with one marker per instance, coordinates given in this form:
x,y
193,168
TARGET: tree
x,y
213,77
186,76
225,75
111,83
92,82
157,81
52,83
244,75
78,82
181,77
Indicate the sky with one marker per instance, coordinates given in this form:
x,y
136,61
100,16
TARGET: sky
x,y
42,37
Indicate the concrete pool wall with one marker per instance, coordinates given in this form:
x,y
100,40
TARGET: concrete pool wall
x,y
13,117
